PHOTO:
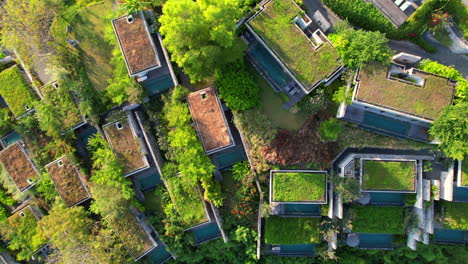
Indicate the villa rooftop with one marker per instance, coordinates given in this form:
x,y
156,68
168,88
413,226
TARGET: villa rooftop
x,y
298,186
133,235
136,43
211,124
291,230
396,11
68,181
16,91
125,145
410,91
309,62
19,167
388,175
377,219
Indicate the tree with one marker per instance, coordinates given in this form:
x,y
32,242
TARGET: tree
x,y
451,130
237,87
349,188
200,34
330,129
358,47
132,6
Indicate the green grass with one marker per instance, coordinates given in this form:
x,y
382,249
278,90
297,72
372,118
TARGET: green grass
x,y
16,91
293,187
291,230
271,105
464,172
187,202
388,175
89,28
275,25
455,215
377,219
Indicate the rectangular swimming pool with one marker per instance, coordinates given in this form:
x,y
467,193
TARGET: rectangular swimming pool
x,y
10,138
206,232
300,249
158,256
227,159
383,198
442,235
385,123
302,209
375,241
460,194
158,85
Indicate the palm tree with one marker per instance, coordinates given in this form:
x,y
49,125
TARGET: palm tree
x,y
132,6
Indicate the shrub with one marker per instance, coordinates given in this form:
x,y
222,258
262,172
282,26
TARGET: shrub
x,y
241,170
348,188
237,87
330,129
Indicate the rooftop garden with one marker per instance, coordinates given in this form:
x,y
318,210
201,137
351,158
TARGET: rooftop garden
x,y
378,219
187,202
62,103
124,145
291,230
67,181
16,91
277,28
428,100
134,237
299,186
388,175
455,215
18,166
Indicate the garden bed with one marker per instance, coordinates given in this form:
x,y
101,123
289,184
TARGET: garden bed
x,y
16,91
291,230
19,166
125,146
275,26
455,215
67,181
377,219
301,186
388,175
187,202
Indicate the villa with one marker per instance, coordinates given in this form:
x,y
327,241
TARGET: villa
x,y
145,57
397,11
68,181
127,146
19,166
397,100
290,50
298,199
210,122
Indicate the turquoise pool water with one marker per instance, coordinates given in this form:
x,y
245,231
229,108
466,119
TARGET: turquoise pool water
x,y
206,232
450,236
158,85
383,198
385,123
10,138
460,194
377,241
159,255
149,181
303,209
269,66
227,159
300,249
85,136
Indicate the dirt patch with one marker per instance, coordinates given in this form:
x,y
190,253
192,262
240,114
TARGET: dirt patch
x,y
305,146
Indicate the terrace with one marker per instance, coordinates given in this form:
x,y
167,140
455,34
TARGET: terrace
x,y
388,175
136,44
286,33
17,92
208,116
58,95
19,166
126,146
68,181
298,187
134,234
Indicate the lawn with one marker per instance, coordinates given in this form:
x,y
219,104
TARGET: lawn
x,y
187,201
89,28
291,230
271,105
455,215
16,91
388,175
377,219
275,25
299,186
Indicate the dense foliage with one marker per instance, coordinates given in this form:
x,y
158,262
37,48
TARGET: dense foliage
x,y
349,188
236,87
330,129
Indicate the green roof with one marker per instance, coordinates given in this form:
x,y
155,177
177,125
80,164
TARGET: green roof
x,y
275,25
427,101
16,91
464,172
291,230
388,175
299,186
377,219
455,215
